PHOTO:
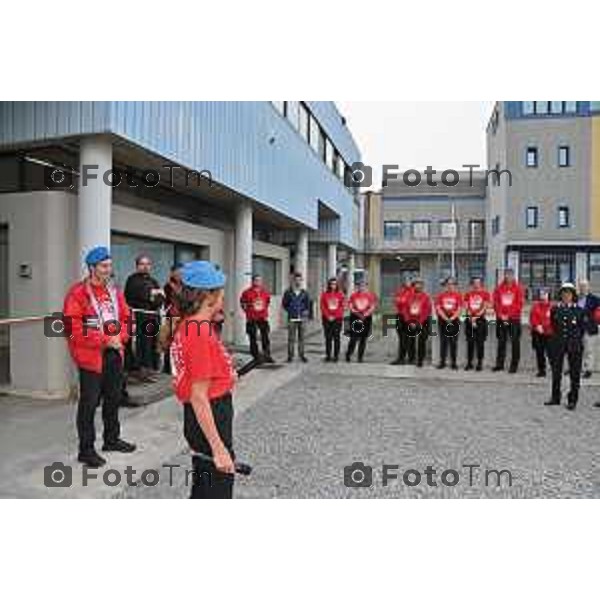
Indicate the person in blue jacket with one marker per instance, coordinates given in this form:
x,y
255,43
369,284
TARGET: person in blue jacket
x,y
590,303
296,302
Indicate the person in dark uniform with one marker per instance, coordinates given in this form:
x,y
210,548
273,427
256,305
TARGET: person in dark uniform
x,y
203,378
569,323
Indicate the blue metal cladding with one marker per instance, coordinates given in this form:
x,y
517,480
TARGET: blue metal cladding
x,y
247,146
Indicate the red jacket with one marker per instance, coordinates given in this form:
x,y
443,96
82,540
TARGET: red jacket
x,y
449,303
476,300
540,315
402,297
508,301
255,303
362,303
86,340
332,305
418,308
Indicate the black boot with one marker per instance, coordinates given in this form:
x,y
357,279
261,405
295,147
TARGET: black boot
x,y
118,446
571,401
91,458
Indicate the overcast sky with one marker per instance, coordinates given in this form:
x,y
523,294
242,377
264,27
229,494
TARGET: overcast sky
x,y
414,135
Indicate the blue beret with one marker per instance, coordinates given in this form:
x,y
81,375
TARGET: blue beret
x,y
202,274
96,255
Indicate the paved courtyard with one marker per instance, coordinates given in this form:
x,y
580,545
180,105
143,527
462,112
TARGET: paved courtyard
x,y
301,435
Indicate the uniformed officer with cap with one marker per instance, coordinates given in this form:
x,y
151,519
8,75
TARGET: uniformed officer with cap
x,y
569,323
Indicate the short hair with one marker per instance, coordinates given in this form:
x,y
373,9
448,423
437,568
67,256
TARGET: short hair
x,y
297,274
141,257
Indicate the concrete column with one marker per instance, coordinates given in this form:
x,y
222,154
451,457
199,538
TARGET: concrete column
x,y
351,267
331,260
581,266
243,266
95,196
301,264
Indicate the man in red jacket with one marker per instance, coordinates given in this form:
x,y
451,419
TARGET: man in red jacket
x,y
255,303
448,306
417,315
97,319
541,330
477,302
508,304
401,299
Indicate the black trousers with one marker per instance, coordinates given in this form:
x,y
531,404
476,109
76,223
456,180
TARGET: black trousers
x,y
540,344
449,330
252,329
573,350
107,386
476,331
207,482
146,352
360,330
333,331
402,338
416,342
505,330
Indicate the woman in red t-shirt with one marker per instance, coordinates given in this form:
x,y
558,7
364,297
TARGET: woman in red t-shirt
x,y
203,378
332,312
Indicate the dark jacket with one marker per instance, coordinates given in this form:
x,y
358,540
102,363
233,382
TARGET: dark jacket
x,y
297,306
137,292
592,302
569,323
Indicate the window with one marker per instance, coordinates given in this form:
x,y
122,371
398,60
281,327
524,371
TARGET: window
x,y
329,153
556,107
563,216
267,268
448,229
496,225
279,105
528,108
595,105
292,109
392,230
315,134
531,219
303,121
532,157
563,156
541,107
476,234
420,230
571,106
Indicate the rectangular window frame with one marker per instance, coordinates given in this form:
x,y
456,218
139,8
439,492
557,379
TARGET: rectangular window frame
x,y
532,151
532,217
396,226
413,229
563,209
567,157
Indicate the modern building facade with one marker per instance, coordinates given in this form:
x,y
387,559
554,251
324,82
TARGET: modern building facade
x,y
430,231
546,224
253,186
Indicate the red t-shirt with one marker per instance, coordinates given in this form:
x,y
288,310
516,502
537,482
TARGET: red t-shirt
x,y
255,302
362,302
448,302
332,305
476,300
198,354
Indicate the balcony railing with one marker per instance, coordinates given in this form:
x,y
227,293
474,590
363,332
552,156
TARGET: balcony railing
x,y
432,244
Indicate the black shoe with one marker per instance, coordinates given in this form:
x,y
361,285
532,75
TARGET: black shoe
x,y
552,402
304,359
327,359
397,362
587,374
290,358
454,367
347,358
118,446
571,402
419,364
571,405
541,374
469,367
268,359
360,359
512,370
92,459
497,368
596,405
479,367
441,366
336,358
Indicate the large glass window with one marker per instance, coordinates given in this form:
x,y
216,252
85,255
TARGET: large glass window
x,y
315,134
420,230
329,154
595,105
268,269
556,107
392,230
541,107
528,107
571,106
303,123
292,112
476,234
